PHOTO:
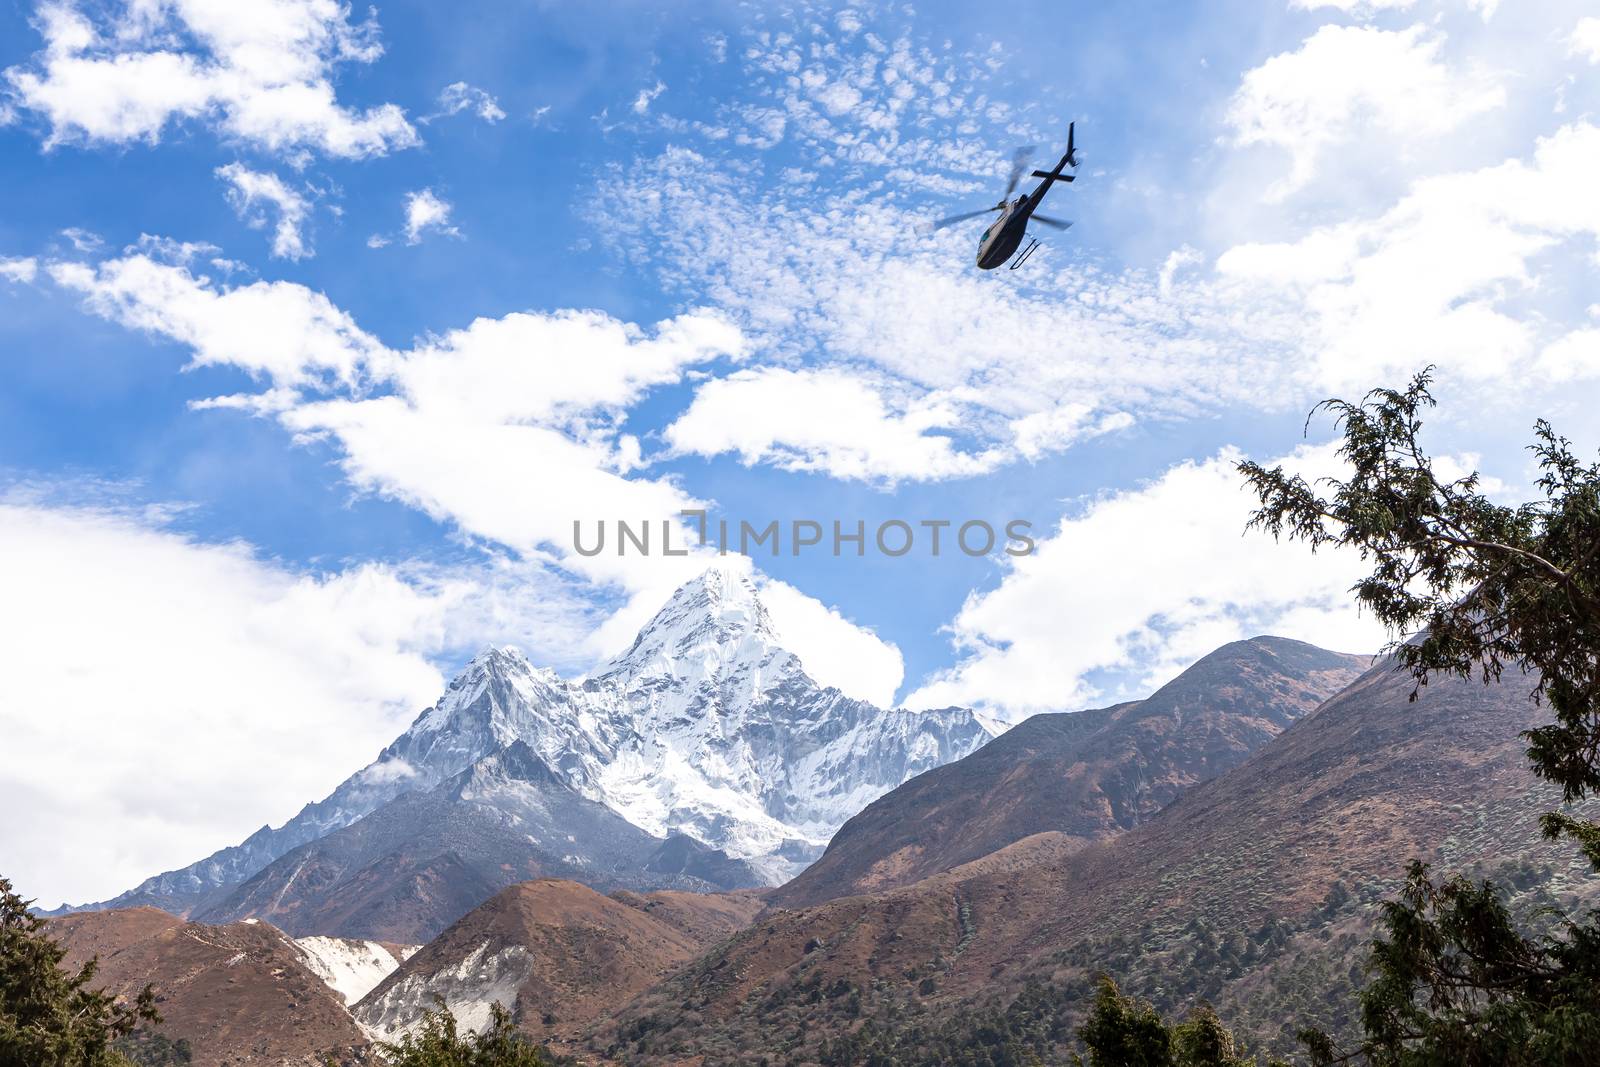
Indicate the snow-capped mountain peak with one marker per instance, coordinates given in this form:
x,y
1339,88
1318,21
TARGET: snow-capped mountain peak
x,y
706,726
493,680
710,629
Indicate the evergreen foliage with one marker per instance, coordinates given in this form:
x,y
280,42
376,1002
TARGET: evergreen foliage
x,y
50,1017
152,1048
1471,587
1122,1031
437,1042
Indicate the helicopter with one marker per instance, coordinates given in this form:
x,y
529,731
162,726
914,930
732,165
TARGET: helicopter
x,y
1005,235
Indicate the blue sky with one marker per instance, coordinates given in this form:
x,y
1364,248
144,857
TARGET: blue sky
x,y
320,329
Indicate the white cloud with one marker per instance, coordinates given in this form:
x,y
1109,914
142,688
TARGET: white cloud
x,y
171,250
18,268
123,72
510,428
885,322
1436,278
839,421
459,96
83,240
938,370
249,191
834,650
1176,262
1045,432
824,420
1346,81
1152,577
642,102
1573,356
426,212
524,485
211,691
826,278
284,332
1586,39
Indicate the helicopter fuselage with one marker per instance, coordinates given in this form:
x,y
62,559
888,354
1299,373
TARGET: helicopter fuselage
x,y
1001,240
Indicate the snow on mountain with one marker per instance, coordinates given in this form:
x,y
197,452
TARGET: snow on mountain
x,y
705,726
351,968
480,979
720,734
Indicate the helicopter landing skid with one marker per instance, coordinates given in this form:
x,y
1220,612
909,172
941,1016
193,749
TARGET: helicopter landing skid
x,y
1022,256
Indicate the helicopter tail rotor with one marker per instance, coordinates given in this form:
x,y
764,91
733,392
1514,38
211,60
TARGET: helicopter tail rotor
x,y
1068,160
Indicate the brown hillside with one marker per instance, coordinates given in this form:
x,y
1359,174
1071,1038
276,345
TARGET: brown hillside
x,y
1088,775
240,994
557,953
1254,891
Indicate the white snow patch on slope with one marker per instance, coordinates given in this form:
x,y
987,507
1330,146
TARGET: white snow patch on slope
x,y
350,968
469,989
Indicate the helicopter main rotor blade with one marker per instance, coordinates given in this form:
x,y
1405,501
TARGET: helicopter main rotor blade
x,y
1019,163
953,219
1055,224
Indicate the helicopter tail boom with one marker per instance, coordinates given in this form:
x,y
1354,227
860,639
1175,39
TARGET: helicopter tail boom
x,y
1068,160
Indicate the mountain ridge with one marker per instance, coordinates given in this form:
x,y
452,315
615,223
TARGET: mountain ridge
x,y
705,728
414,866
1244,893
1086,774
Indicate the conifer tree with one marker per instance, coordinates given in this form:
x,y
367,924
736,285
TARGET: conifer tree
x,y
1510,594
50,1017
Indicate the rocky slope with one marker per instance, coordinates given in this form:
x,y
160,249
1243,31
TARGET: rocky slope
x,y
705,728
241,994
414,866
349,966
1254,891
1088,775
556,954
